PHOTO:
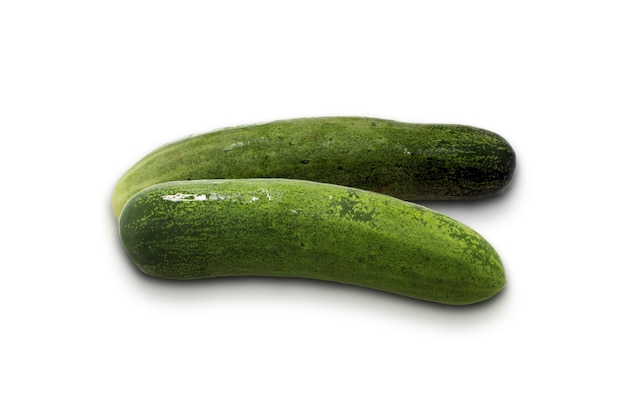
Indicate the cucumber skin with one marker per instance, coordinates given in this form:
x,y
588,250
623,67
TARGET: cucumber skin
x,y
294,228
408,161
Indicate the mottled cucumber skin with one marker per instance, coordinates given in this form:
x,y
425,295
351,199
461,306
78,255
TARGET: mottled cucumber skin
x,y
408,161
294,228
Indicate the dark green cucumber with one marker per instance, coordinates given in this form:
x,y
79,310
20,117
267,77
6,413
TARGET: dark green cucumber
x,y
294,228
408,161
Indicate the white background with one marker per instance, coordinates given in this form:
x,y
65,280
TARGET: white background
x,y
88,88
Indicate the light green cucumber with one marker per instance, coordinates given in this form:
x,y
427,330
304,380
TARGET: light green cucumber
x,y
409,161
294,228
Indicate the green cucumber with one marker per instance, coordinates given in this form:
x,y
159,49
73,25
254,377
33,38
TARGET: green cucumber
x,y
295,228
407,161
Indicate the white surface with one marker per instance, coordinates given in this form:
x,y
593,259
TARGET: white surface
x,y
87,89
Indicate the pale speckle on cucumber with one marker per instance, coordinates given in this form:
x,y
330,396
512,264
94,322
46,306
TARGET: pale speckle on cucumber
x,y
184,197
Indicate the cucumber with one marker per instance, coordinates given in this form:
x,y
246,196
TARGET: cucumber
x,y
295,228
408,161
